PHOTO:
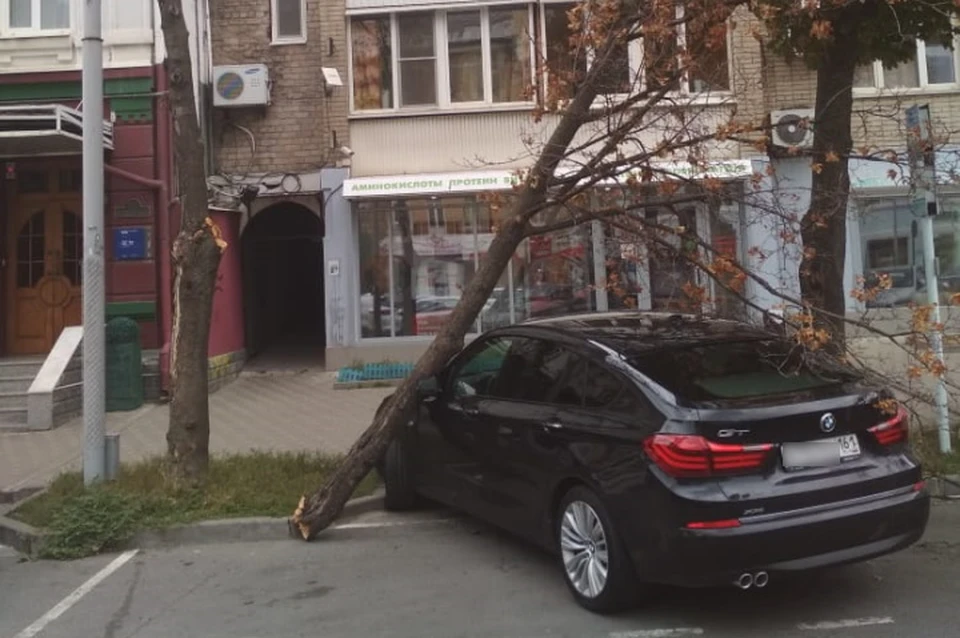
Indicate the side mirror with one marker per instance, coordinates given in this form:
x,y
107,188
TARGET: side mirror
x,y
428,388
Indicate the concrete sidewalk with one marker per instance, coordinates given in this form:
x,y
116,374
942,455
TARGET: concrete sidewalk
x,y
282,412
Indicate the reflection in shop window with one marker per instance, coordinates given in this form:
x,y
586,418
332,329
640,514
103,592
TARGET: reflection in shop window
x,y
376,317
891,247
419,254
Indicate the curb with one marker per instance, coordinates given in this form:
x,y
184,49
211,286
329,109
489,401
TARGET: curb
x,y
367,385
944,487
27,539
24,538
239,530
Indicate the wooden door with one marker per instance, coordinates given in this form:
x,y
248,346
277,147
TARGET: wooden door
x,y
44,273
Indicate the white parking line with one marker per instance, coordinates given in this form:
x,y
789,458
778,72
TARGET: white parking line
x,y
374,525
845,624
76,595
658,633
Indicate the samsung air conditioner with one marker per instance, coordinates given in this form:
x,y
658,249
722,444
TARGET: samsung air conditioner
x,y
792,128
241,85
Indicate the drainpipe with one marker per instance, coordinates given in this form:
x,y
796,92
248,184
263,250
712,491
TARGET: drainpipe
x,y
165,173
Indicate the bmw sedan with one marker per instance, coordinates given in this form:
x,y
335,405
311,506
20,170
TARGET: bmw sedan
x,y
647,449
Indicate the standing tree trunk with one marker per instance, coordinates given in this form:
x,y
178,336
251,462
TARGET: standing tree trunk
x,y
824,227
196,257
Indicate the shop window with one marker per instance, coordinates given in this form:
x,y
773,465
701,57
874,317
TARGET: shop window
x,y
931,66
891,250
484,56
289,21
39,15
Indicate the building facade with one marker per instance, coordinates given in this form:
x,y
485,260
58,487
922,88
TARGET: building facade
x,y
41,203
362,186
439,115
279,163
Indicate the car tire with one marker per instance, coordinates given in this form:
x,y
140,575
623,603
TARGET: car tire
x,y
399,485
619,589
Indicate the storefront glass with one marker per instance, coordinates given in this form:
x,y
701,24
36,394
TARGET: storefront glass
x,y
892,247
417,255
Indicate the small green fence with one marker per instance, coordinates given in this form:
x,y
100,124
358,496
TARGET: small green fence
x,y
374,372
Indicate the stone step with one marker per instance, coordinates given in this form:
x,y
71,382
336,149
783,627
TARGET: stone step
x,y
13,418
15,384
20,367
13,400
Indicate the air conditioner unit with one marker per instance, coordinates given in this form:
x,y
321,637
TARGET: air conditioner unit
x,y
241,85
792,127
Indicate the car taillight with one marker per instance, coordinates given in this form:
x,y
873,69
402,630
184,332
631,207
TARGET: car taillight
x,y
894,430
683,455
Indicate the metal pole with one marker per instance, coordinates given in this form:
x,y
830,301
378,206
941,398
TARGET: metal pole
x,y
924,175
94,299
933,298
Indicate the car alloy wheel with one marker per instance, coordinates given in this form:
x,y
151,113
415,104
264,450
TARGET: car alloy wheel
x,y
583,544
596,566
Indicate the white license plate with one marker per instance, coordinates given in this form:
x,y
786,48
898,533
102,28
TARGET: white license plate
x,y
821,453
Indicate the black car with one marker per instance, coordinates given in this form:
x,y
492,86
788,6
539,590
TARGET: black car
x,y
650,448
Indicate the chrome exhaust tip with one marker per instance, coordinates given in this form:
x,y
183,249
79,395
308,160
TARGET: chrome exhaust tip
x,y
761,579
745,581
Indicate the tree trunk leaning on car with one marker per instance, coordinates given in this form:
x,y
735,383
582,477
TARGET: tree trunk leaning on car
x,y
196,258
537,192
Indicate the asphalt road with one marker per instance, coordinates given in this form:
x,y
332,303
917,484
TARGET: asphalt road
x,y
436,575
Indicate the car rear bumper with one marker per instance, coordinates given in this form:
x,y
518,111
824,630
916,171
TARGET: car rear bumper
x,y
828,536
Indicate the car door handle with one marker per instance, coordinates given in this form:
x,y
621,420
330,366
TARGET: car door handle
x,y
456,407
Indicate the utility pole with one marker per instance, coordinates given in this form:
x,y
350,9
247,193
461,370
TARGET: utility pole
x,y
94,297
923,176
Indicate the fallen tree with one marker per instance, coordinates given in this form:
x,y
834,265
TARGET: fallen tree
x,y
595,139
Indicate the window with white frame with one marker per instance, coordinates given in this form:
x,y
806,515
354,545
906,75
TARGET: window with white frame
x,y
648,61
932,66
39,15
289,21
414,60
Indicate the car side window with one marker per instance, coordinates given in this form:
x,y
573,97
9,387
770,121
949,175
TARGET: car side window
x,y
478,373
533,370
601,388
570,391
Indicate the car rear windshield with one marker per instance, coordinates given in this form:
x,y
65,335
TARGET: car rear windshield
x,y
739,370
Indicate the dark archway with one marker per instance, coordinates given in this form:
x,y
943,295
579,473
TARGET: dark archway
x,y
282,249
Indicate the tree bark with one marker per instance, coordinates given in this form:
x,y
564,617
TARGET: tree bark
x,y
316,512
824,227
196,258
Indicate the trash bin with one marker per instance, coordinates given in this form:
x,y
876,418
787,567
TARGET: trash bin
x,y
124,365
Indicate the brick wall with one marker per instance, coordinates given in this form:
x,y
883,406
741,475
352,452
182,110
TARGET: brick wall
x,y
877,121
294,133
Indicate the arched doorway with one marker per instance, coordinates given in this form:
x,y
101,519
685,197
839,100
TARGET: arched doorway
x,y
282,252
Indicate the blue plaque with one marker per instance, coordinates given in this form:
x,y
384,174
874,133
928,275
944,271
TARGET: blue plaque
x,y
130,244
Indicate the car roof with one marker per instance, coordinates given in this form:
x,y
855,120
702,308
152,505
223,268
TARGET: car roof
x,y
635,333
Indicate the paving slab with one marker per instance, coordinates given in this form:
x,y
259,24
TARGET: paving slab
x,y
278,412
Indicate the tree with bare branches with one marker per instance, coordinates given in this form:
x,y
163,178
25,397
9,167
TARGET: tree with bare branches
x,y
835,37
